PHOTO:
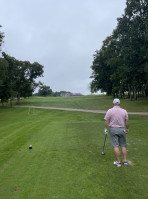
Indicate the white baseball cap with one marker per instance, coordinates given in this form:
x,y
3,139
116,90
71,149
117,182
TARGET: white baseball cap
x,y
116,101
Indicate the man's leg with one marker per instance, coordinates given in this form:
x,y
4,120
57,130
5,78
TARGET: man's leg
x,y
117,154
124,152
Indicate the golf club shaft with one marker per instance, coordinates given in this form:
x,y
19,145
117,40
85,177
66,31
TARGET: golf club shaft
x,y
104,142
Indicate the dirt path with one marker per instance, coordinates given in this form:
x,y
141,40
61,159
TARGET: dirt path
x,y
80,110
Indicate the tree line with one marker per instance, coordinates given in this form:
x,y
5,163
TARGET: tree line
x,y
17,78
46,91
121,65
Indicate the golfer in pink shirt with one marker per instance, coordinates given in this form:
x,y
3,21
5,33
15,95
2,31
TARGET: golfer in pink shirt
x,y
117,119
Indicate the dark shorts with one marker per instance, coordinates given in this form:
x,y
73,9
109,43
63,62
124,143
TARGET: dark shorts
x,y
117,137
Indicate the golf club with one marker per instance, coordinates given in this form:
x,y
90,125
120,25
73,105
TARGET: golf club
x,y
103,153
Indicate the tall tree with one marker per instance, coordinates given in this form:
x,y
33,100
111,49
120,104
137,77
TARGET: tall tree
x,y
131,32
129,44
4,86
105,68
1,38
21,76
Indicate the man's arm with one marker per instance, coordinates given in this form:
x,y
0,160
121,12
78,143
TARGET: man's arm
x,y
106,124
106,118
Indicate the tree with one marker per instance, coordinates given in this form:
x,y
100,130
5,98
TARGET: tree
x,y
105,73
131,32
1,38
101,74
9,79
4,87
122,60
21,77
44,90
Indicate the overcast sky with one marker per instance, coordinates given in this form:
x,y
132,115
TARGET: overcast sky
x,y
61,35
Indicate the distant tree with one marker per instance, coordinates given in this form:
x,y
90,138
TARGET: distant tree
x,y
56,94
106,61
1,38
3,73
9,79
4,86
21,77
44,90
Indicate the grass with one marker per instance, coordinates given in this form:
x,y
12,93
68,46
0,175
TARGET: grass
x,y
66,160
93,102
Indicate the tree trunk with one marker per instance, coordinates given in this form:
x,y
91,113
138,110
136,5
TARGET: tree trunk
x,y
130,96
11,102
135,93
142,93
18,98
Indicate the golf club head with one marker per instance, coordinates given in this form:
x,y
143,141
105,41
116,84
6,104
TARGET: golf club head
x,y
103,153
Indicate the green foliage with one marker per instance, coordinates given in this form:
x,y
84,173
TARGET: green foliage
x,y
121,64
5,87
19,79
1,38
44,90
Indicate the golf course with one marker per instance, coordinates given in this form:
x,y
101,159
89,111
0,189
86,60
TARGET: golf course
x,y
65,161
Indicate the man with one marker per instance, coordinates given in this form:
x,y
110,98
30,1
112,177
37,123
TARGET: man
x,y
117,119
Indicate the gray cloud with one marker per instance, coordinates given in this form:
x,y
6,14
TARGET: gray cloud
x,y
62,35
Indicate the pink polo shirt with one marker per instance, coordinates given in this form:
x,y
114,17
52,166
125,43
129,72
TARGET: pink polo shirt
x,y
116,117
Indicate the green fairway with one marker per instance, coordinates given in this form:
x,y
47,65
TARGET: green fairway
x,y
66,160
94,102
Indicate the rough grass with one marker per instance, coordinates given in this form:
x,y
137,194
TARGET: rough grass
x,y
66,160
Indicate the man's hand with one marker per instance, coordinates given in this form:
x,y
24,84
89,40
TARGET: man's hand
x,y
106,131
126,130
